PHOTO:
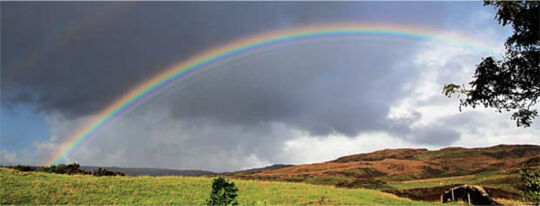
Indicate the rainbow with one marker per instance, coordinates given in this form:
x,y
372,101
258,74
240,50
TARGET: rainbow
x,y
241,48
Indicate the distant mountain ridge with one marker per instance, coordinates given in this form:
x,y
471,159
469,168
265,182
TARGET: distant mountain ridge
x,y
271,167
175,172
151,171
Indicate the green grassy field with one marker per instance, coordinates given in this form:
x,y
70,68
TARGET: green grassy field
x,y
45,188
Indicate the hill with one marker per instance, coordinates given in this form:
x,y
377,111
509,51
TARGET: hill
x,y
44,188
407,171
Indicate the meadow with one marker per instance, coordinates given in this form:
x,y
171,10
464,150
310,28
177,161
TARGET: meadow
x,y
46,188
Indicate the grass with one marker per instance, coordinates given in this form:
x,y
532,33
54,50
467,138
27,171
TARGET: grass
x,y
510,202
495,179
325,180
44,188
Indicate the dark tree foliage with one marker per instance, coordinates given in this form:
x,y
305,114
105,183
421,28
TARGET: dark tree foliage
x,y
223,193
105,172
69,169
513,83
23,168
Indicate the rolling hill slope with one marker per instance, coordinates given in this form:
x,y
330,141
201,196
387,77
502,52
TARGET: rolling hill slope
x,y
410,164
395,170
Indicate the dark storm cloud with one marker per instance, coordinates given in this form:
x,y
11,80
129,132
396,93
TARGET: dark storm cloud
x,y
322,88
76,57
434,135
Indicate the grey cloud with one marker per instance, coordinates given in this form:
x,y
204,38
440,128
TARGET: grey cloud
x,y
441,133
193,144
434,135
7,157
341,87
76,57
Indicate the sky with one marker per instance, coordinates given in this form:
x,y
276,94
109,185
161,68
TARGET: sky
x,y
63,62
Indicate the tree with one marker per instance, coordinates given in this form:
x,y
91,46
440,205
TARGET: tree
x,y
513,83
223,193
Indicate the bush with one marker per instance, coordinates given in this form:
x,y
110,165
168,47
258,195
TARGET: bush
x,y
105,172
23,168
223,193
69,169
530,180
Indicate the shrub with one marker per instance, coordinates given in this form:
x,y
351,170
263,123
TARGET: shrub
x,y
530,180
105,172
223,193
24,168
69,169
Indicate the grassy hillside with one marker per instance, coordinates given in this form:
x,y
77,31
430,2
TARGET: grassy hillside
x,y
45,188
411,164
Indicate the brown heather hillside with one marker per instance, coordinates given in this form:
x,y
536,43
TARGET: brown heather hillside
x,y
416,163
393,169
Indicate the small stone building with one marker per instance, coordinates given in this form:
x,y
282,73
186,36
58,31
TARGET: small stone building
x,y
471,194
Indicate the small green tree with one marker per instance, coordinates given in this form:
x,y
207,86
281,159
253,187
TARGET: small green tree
x,y
223,193
530,180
